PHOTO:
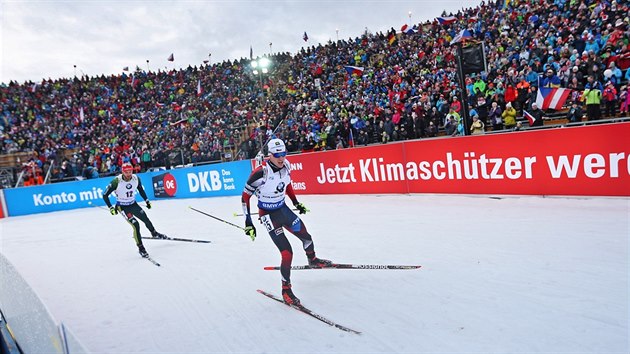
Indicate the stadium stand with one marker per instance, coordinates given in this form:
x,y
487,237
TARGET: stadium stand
x,y
400,86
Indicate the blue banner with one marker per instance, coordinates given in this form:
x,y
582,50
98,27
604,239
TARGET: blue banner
x,y
216,180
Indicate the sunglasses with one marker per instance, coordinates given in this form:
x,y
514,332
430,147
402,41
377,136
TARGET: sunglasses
x,y
279,154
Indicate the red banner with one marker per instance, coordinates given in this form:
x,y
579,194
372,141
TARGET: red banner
x,y
589,160
2,205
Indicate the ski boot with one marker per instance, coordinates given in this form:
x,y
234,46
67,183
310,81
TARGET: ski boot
x,y
288,296
156,234
319,262
142,251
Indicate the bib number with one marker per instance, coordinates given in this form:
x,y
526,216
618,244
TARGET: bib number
x,y
266,220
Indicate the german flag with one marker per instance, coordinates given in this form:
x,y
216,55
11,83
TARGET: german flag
x,y
391,38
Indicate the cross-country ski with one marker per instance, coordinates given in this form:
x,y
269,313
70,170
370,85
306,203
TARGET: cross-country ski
x,y
348,266
148,258
309,312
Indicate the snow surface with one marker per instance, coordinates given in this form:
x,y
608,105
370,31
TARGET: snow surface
x,y
508,275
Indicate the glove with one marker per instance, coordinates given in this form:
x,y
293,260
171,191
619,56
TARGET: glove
x,y
301,208
250,230
148,204
113,210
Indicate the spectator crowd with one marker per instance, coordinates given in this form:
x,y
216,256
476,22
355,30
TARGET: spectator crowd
x,y
408,89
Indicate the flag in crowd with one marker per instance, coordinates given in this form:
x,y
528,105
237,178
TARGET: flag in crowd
x,y
529,117
171,57
305,37
251,53
198,87
350,139
81,114
462,36
354,70
552,98
126,68
181,121
391,38
446,20
408,29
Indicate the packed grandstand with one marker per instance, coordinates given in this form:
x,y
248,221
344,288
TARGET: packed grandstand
x,y
375,88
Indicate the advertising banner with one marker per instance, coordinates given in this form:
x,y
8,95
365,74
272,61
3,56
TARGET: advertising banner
x,y
56,196
2,204
352,171
204,181
589,160
214,180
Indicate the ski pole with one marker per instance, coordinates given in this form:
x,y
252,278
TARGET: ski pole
x,y
98,206
236,214
177,239
219,219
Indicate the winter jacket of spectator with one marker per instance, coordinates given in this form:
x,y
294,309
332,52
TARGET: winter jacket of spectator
x,y
592,45
477,127
522,87
494,114
575,114
538,115
532,78
510,93
480,86
450,127
610,93
592,93
509,117
457,106
552,81
624,98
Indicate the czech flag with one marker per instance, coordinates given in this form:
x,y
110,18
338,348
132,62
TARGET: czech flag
x,y
354,70
350,139
408,29
552,98
446,20
462,36
529,117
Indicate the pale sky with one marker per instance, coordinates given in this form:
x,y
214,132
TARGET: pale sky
x,y
42,39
